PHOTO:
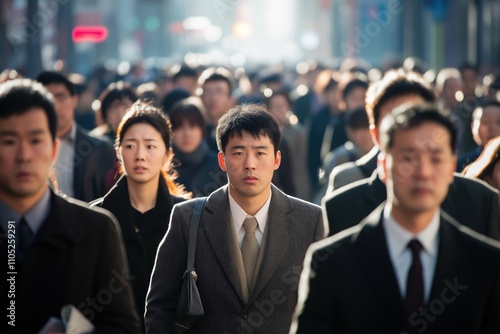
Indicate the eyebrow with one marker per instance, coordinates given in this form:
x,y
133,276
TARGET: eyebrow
x,y
240,147
11,133
134,139
427,149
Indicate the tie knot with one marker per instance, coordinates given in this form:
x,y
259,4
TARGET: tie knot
x,y
415,246
250,224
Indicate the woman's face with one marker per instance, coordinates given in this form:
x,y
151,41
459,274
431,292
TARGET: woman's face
x,y
187,137
143,153
116,111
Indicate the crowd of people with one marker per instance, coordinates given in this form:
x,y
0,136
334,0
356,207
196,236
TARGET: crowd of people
x,y
98,178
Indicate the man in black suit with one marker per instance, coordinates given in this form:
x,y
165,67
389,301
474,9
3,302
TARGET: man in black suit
x,y
84,160
408,267
56,252
471,202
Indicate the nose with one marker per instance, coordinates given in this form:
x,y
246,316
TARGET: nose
x,y
249,162
25,151
424,168
139,153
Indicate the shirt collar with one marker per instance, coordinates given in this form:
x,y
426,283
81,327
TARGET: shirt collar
x,y
398,237
34,217
239,215
71,136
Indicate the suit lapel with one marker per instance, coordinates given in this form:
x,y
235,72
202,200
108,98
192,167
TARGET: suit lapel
x,y
221,235
450,256
275,241
374,256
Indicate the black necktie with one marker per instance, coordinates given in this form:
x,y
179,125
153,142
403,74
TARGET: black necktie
x,y
415,284
23,238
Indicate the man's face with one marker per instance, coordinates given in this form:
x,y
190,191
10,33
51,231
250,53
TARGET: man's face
x,y
486,125
355,99
217,99
65,107
470,82
27,154
250,164
418,168
450,89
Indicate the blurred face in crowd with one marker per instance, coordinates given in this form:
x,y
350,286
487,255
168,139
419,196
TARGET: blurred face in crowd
x,y
187,82
361,138
470,82
418,169
486,124
116,112
143,153
355,99
65,107
188,137
250,164
279,108
27,154
450,88
217,99
332,98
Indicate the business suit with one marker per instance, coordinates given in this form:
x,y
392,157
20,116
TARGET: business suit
x,y
76,257
94,157
473,203
349,284
291,227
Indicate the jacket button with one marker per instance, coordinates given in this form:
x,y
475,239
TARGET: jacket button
x,y
244,316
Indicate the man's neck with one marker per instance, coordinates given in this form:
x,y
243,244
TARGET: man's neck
x,y
22,205
251,205
413,222
65,133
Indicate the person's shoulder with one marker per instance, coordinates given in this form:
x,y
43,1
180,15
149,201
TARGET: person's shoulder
x,y
83,213
475,185
347,192
95,140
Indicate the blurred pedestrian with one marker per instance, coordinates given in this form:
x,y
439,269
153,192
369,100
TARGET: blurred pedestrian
x,y
66,253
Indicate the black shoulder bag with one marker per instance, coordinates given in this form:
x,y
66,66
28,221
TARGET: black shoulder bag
x,y
190,308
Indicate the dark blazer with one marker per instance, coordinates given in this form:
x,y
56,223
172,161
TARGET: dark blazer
x,y
77,257
473,203
292,226
140,247
349,285
94,157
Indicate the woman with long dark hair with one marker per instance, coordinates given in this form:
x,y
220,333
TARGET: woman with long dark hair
x,y
143,197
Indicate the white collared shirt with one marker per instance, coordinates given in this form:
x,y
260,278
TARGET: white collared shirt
x,y
65,163
397,241
238,216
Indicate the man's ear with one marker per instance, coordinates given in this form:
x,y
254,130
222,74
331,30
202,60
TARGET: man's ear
x,y
382,167
374,134
277,160
222,161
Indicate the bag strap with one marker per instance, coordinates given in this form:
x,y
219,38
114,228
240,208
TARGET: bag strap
x,y
199,204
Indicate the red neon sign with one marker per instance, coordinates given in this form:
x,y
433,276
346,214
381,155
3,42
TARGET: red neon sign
x,y
92,34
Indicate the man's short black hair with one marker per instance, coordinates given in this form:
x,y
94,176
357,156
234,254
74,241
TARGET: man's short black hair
x,y
410,115
253,119
51,77
21,95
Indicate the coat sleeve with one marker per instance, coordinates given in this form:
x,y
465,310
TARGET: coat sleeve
x,y
167,277
494,221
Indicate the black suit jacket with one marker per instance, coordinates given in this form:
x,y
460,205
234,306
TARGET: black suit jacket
x,y
472,203
77,257
349,285
94,157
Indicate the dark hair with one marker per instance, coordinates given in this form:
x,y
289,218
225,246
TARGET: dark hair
x,y
484,165
116,91
183,71
188,110
50,77
357,119
172,97
142,112
250,118
395,83
351,85
410,115
20,95
212,74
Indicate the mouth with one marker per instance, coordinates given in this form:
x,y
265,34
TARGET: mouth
x,y
140,169
418,191
250,179
23,175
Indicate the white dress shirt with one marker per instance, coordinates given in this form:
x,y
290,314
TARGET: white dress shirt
x,y
65,164
401,257
238,216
